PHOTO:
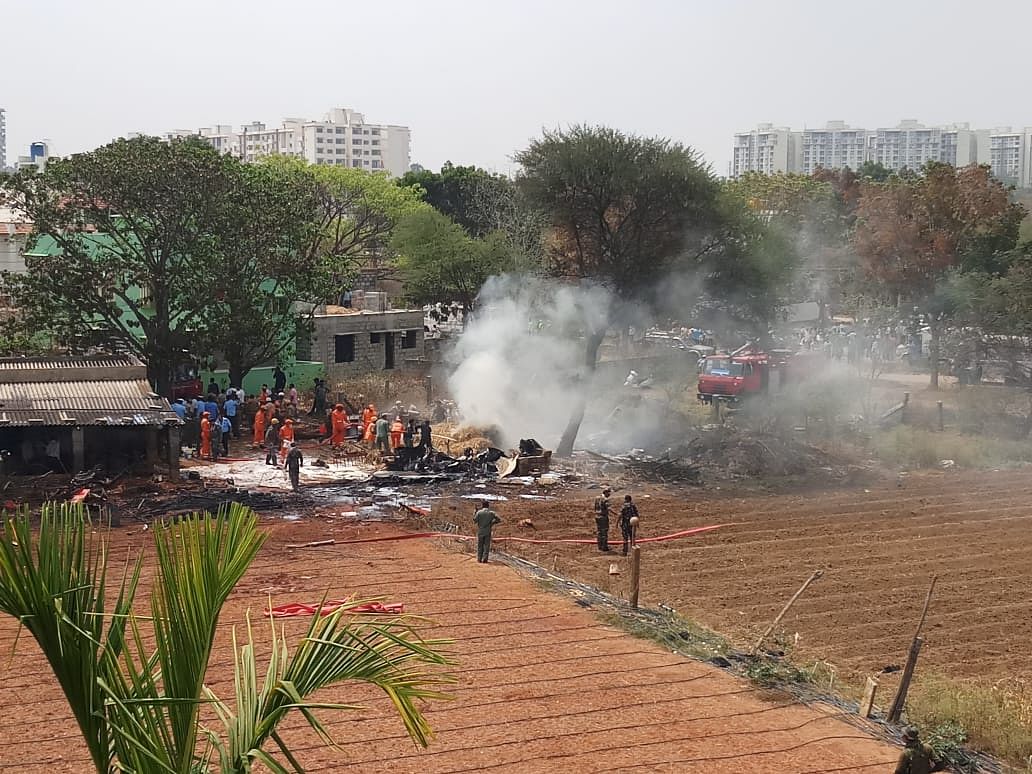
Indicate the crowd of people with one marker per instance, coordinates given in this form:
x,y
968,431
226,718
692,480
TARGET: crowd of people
x,y
269,420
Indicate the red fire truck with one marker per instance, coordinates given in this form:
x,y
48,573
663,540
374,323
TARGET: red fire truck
x,y
746,372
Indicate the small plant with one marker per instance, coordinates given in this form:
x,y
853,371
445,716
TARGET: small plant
x,y
947,741
771,672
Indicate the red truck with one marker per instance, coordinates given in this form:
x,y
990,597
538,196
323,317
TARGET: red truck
x,y
745,372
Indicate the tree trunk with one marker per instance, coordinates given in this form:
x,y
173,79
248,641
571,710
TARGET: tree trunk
x,y
933,356
591,345
159,374
237,372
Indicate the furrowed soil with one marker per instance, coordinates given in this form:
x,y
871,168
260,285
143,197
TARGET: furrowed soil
x,y
878,548
543,685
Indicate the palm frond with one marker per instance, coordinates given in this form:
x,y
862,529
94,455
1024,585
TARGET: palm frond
x,y
55,585
338,648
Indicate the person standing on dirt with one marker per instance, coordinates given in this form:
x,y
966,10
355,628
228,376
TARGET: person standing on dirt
x,y
293,464
272,443
627,512
485,519
383,435
215,444
279,380
231,410
602,520
917,757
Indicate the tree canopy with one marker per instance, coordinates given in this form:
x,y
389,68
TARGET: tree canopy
x,y
159,248
124,239
440,262
636,214
914,232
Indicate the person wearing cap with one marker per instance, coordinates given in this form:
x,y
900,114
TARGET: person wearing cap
x,y
272,443
293,465
180,408
917,757
627,512
602,520
485,519
368,418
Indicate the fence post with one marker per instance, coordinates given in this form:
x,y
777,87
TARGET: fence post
x,y
942,426
635,575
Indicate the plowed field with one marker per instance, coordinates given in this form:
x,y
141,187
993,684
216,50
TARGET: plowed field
x,y
878,549
543,686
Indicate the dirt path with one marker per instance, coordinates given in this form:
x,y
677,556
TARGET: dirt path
x,y
543,685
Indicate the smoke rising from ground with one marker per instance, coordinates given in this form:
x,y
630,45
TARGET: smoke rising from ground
x,y
520,369
518,366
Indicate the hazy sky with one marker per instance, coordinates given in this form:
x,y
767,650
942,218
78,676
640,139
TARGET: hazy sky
x,y
476,79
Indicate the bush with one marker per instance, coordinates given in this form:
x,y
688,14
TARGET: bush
x,y
995,718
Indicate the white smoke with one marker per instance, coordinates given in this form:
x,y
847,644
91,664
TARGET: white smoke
x,y
519,367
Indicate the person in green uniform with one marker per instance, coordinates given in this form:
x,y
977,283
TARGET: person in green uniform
x,y
485,519
917,757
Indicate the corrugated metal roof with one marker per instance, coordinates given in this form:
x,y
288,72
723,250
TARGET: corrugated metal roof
x,y
34,363
116,402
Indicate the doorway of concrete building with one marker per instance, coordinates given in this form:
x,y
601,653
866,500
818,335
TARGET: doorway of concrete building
x,y
388,351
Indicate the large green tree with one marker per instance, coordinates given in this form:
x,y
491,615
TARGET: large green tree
x,y
914,232
127,242
440,262
632,213
294,236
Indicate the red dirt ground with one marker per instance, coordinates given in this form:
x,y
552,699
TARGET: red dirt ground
x,y
878,549
543,685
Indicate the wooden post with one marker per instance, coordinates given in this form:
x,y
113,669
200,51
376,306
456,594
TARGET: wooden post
x,y
915,649
814,576
635,575
867,703
903,411
715,411
635,562
942,426
904,683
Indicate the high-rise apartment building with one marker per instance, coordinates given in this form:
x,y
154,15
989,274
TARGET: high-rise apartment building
x,y
342,138
3,138
909,145
766,149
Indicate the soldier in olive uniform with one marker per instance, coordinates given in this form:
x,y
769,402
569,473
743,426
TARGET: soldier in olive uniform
x,y
485,519
602,519
917,757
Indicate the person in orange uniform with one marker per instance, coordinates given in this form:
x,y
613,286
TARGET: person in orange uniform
x,y
339,424
397,431
368,418
259,428
206,435
286,436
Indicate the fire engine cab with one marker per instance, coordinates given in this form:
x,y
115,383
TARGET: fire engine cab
x,y
745,372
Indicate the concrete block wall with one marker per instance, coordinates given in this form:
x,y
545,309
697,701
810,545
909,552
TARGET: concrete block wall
x,y
370,357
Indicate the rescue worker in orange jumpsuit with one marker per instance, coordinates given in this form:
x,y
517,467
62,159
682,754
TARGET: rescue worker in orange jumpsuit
x,y
397,431
339,424
368,418
206,435
286,436
259,428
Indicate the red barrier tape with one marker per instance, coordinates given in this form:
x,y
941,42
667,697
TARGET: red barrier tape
x,y
580,541
292,609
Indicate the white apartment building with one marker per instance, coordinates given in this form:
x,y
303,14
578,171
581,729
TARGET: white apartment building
x,y
836,145
342,138
766,149
3,138
1010,155
909,145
